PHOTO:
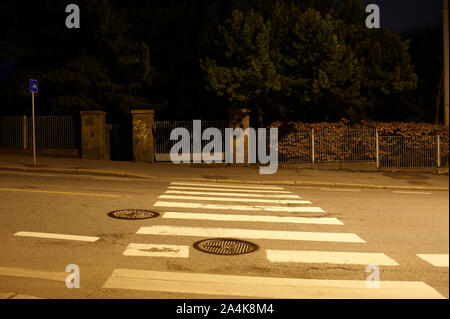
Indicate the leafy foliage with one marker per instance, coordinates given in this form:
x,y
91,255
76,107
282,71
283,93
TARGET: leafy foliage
x,y
294,60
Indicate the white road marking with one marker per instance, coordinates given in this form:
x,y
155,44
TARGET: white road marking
x,y
157,250
249,233
233,194
226,199
57,236
241,207
265,287
30,273
340,190
437,260
254,218
230,190
214,185
414,193
330,257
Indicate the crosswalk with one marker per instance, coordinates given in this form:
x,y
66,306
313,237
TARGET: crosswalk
x,y
267,206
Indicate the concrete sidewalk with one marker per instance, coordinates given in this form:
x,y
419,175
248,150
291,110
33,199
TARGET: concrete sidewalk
x,y
225,173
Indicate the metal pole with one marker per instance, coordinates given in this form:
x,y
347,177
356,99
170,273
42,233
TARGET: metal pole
x,y
446,59
34,130
377,146
438,151
312,145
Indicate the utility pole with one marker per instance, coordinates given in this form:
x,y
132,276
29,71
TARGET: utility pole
x,y
446,59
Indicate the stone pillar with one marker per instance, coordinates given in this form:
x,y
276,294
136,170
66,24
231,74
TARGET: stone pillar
x,y
93,135
143,139
240,118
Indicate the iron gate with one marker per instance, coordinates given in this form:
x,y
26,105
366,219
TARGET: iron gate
x,y
163,144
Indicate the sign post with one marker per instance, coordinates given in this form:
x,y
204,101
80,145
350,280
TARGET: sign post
x,y
33,89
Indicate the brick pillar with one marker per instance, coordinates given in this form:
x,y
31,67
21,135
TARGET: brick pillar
x,y
94,135
143,139
240,118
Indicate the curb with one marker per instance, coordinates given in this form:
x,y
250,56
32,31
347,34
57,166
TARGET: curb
x,y
96,172
12,295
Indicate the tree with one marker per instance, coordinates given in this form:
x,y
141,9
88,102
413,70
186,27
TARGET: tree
x,y
95,67
247,74
313,61
111,72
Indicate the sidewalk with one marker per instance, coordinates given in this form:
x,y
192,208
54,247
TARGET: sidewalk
x,y
225,173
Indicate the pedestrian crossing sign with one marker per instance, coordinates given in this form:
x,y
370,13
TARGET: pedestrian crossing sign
x,y
33,86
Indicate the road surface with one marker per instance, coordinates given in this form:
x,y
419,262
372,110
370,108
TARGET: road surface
x,y
311,242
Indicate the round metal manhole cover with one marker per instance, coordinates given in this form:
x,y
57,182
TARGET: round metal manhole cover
x,y
225,246
133,214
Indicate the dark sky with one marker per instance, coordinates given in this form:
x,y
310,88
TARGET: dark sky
x,y
400,15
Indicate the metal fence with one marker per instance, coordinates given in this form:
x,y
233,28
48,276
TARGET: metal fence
x,y
402,152
360,145
163,144
12,132
328,146
443,151
52,132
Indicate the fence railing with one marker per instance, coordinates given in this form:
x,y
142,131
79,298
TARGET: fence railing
x,y
163,144
52,132
362,145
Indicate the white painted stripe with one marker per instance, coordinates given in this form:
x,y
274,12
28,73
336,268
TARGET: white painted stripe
x,y
226,199
413,193
230,190
157,250
248,233
340,190
57,236
214,185
265,287
241,207
233,194
330,257
437,260
254,218
30,273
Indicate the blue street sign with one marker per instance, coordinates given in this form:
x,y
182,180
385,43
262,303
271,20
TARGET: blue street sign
x,y
33,86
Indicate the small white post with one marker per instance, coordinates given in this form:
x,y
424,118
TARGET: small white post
x,y
438,150
377,146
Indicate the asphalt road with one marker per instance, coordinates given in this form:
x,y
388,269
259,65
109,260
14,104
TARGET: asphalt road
x,y
397,226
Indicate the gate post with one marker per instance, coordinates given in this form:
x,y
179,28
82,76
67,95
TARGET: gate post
x,y
239,118
143,138
93,135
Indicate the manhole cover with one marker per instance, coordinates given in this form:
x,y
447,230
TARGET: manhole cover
x,y
225,246
133,214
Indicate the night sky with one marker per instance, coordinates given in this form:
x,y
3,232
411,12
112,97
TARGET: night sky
x,y
400,15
